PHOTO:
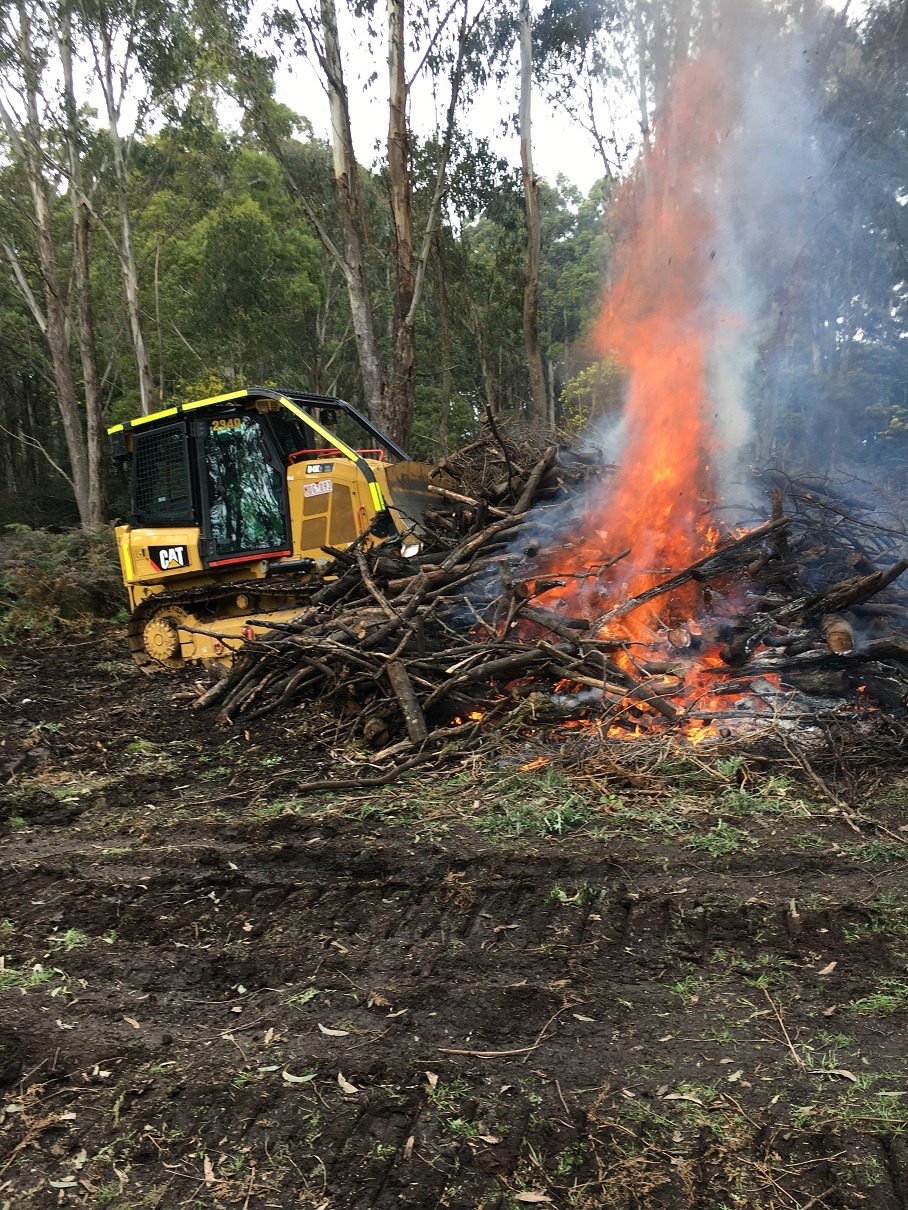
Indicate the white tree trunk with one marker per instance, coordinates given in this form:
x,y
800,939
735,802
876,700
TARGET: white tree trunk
x,y
534,232
127,254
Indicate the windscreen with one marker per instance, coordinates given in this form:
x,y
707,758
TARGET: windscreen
x,y
293,436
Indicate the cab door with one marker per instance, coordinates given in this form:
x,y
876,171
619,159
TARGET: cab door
x,y
244,488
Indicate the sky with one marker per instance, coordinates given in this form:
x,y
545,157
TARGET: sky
x,y
559,146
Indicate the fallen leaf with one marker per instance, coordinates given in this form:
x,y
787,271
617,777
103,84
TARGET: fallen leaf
x,y
827,970
269,1067
735,1076
835,1071
490,1138
67,1117
232,866
345,1084
830,1012
408,1146
292,1079
133,1022
580,1017
209,1171
536,1199
69,1183
80,1160
333,1033
237,1008
432,1078
682,1096
269,1035
241,991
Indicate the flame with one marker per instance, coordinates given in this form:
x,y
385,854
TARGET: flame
x,y
534,764
657,322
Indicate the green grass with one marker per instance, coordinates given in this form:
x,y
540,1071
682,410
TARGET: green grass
x,y
72,939
10,978
878,850
721,840
890,996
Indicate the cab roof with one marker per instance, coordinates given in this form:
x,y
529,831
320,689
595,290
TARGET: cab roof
x,y
274,393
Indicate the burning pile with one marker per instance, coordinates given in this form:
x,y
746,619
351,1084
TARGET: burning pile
x,y
500,618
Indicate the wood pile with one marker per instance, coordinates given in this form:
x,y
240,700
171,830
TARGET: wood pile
x,y
416,653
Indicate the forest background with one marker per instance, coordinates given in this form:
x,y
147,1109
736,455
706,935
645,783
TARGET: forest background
x,y
169,230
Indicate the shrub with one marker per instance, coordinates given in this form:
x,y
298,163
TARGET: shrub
x,y
47,579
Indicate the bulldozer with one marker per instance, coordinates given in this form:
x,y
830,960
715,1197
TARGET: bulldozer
x,y
235,499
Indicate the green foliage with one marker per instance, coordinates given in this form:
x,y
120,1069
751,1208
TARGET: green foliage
x,y
48,579
890,996
593,393
534,806
720,841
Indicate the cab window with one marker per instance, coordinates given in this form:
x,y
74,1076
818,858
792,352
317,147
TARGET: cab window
x,y
161,476
245,491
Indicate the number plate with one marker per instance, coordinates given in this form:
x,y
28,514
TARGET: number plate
x,y
322,488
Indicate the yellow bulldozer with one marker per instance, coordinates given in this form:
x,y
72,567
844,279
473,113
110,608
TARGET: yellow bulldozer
x,y
234,499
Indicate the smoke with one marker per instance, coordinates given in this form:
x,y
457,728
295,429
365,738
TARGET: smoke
x,y
721,222
772,190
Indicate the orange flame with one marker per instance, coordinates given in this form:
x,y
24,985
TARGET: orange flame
x,y
657,322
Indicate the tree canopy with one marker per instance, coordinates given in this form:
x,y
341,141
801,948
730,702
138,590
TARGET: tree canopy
x,y
169,229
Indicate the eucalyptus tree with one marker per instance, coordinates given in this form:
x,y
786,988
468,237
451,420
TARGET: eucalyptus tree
x,y
539,398
446,44
29,113
140,56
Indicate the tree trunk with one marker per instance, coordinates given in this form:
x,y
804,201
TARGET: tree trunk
x,y
28,145
534,233
403,374
85,319
94,410
445,326
346,179
127,252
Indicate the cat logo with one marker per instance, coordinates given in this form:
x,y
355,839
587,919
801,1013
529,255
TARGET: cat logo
x,y
168,558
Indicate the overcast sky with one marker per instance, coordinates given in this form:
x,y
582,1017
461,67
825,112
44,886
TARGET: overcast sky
x,y
559,146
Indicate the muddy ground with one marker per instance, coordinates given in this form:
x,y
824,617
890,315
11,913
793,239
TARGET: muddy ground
x,y
479,987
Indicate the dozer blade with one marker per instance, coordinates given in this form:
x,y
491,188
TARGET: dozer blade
x,y
408,487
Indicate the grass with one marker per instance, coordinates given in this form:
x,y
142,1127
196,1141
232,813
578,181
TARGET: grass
x,y
10,978
890,996
72,939
720,841
878,850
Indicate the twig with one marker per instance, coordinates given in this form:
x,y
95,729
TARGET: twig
x,y
794,1054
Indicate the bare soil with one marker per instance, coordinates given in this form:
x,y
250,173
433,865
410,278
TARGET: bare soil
x,y
479,987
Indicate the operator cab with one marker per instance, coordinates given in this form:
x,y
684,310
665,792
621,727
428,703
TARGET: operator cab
x,y
225,465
